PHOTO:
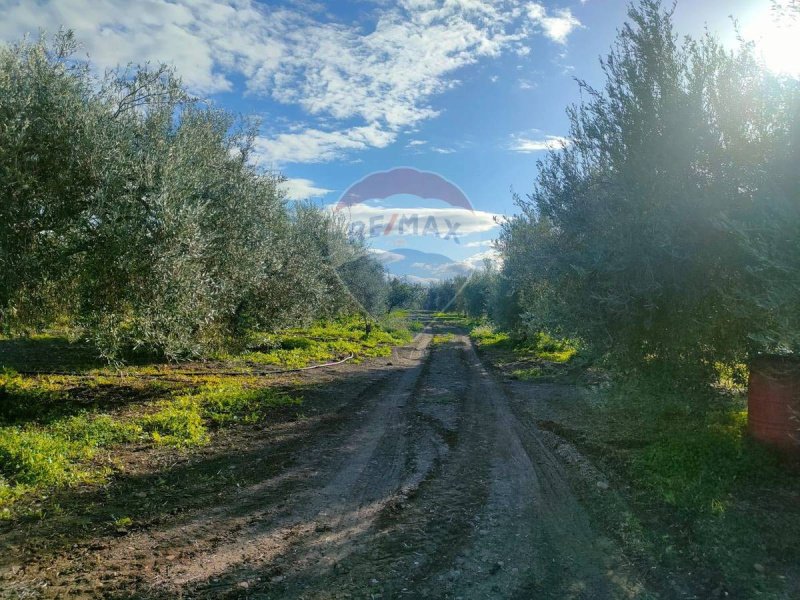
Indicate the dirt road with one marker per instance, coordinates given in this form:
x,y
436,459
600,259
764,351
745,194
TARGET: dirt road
x,y
421,481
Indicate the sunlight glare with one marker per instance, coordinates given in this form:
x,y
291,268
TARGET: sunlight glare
x,y
776,34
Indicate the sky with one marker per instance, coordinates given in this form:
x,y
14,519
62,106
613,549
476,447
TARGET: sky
x,y
472,91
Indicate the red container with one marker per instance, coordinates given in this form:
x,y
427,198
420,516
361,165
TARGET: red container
x,y
773,402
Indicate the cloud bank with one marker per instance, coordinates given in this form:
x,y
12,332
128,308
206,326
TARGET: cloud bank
x,y
361,84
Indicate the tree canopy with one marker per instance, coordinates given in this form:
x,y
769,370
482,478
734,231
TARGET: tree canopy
x,y
135,212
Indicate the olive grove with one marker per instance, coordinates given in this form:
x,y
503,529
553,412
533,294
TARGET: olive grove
x,y
133,212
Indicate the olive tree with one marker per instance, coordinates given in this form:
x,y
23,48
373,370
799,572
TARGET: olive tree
x,y
639,236
136,211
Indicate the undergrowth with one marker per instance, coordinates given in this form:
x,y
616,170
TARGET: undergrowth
x,y
693,451
699,495
59,452
51,427
541,345
327,341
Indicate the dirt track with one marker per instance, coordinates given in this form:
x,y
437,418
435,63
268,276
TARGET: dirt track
x,y
423,482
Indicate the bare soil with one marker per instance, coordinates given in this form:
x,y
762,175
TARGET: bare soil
x,y
415,476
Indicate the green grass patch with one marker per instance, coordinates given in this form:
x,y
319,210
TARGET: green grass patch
x,y
488,336
718,498
96,430
184,421
178,423
25,399
327,341
234,402
32,457
532,374
541,346
443,338
60,452
696,468
35,456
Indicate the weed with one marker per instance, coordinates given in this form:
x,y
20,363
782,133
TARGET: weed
x,y
96,430
230,402
541,346
443,338
28,398
326,341
183,420
122,523
486,335
33,457
531,374
177,423
696,468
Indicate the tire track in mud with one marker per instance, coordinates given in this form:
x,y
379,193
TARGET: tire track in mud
x,y
326,521
385,545
534,538
493,518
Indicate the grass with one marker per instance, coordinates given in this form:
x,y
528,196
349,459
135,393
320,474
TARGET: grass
x,y
35,457
443,338
697,469
327,341
721,501
56,452
532,374
486,336
541,346
52,426
687,450
185,420
693,492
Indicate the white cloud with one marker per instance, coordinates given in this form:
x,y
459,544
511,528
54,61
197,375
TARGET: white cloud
x,y
316,145
444,271
525,144
386,256
557,27
416,143
302,189
463,267
479,244
477,261
189,36
365,82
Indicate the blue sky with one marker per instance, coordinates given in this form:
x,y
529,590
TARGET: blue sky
x,y
474,90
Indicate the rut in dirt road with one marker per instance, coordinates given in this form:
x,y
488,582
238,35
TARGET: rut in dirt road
x,y
443,493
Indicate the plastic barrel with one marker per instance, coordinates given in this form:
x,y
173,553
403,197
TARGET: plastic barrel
x,y
773,402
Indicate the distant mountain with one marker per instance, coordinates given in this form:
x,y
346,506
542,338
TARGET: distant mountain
x,y
420,266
